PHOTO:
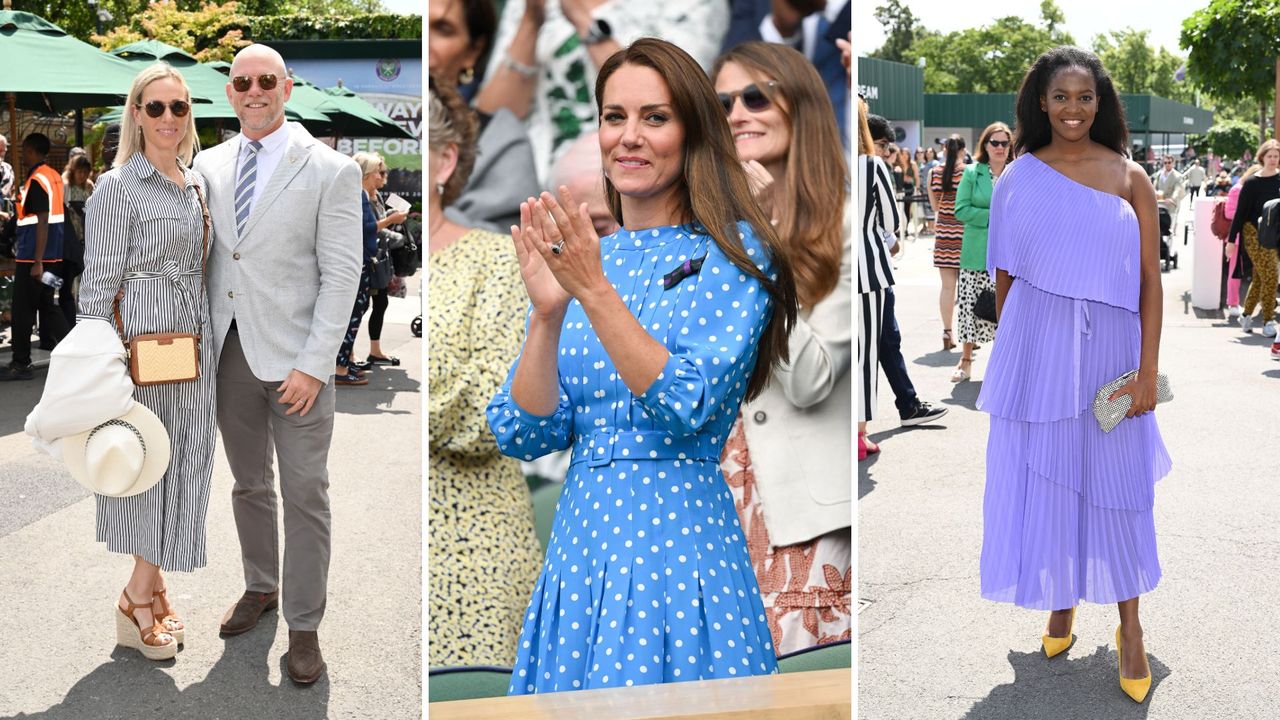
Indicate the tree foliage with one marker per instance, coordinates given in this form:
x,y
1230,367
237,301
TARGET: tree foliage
x,y
1233,47
992,58
1228,139
1137,67
212,32
902,29
80,19
215,32
356,27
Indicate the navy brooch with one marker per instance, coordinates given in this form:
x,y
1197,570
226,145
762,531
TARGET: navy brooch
x,y
684,270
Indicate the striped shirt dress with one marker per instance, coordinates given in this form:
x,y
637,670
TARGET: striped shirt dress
x,y
143,232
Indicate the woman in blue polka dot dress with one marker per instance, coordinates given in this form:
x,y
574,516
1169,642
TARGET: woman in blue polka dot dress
x,y
640,348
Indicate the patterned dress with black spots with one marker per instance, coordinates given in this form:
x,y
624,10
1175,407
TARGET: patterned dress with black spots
x,y
969,327
483,556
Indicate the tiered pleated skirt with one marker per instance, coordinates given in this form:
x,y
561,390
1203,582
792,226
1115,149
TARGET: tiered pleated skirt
x,y
1067,511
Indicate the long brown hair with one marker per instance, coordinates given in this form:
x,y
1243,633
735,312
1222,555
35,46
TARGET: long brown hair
x,y
810,203
713,187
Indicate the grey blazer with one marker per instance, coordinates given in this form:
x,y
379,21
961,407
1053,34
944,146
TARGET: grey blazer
x,y
504,175
290,282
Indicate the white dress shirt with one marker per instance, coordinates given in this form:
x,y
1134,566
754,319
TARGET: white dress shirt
x,y
269,156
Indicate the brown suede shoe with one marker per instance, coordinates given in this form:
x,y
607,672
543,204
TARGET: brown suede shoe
x,y
243,616
306,664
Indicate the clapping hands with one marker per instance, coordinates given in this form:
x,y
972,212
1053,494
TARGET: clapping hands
x,y
559,252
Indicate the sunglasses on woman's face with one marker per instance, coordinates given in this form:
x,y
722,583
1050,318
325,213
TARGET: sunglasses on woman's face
x,y
242,83
998,143
155,108
753,98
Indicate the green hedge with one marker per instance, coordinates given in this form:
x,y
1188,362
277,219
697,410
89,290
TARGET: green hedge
x,y
358,27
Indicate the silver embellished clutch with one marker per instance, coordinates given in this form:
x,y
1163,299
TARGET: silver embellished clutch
x,y
1111,412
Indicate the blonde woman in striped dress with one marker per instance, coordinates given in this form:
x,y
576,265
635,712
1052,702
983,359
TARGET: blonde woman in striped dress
x,y
143,234
948,238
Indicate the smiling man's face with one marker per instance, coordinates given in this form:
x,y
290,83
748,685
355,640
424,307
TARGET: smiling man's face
x,y
260,111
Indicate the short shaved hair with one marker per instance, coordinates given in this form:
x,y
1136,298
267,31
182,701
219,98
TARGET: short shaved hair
x,y
260,50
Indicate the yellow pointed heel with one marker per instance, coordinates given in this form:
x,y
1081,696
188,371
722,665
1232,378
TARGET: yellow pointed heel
x,y
1136,689
1056,645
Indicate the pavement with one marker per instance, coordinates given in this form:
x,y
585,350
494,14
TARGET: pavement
x,y
58,658
932,648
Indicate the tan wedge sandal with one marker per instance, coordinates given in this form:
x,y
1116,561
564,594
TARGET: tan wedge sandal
x,y
155,643
167,617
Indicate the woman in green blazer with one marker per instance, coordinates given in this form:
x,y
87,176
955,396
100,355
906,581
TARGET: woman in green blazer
x,y
973,208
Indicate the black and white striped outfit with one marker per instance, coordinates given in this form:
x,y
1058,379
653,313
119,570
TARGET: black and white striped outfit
x,y
144,232
878,213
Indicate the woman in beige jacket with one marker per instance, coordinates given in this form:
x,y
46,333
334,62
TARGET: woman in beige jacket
x,y
789,458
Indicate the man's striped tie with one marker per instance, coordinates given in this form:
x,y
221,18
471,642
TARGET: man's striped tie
x,y
244,188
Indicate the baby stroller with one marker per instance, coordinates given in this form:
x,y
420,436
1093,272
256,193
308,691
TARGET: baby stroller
x,y
1168,254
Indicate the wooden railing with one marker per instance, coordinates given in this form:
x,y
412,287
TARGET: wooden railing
x,y
818,695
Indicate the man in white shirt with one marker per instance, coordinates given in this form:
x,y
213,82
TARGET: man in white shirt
x,y
284,267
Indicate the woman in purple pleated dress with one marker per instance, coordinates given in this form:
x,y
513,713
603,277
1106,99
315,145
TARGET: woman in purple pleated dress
x,y
1074,249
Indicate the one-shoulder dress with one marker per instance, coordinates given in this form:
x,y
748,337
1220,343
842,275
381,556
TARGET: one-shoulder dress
x,y
1067,513
647,577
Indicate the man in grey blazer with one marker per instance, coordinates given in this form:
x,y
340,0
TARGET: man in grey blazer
x,y
284,267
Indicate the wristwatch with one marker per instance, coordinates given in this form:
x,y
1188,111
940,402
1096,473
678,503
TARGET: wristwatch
x,y
598,31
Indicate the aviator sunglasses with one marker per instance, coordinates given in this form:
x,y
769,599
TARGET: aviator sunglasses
x,y
155,108
242,83
753,98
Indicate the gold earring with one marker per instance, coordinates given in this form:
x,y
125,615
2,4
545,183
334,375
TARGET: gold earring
x,y
466,76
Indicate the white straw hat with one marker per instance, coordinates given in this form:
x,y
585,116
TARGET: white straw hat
x,y
121,457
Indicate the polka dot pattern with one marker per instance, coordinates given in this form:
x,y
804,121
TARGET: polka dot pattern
x,y
647,577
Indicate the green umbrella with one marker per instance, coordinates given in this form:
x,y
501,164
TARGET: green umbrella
x,y
337,120
357,106
49,71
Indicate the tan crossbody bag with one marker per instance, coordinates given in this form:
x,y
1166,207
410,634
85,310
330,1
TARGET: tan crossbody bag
x,y
161,358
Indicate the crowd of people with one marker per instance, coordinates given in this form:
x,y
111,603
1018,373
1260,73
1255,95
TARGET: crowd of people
x,y
945,194
641,255
1250,260
42,226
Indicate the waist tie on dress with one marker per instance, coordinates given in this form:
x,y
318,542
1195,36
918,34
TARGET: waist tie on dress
x,y
604,445
171,272
1083,331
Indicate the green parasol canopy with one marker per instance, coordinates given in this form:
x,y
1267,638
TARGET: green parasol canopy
x,y
357,106
58,72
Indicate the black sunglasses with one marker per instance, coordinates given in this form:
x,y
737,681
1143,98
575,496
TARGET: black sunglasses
x,y
242,83
753,98
155,108
998,143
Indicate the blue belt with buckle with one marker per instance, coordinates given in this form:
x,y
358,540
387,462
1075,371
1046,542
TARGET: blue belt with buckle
x,y
603,446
